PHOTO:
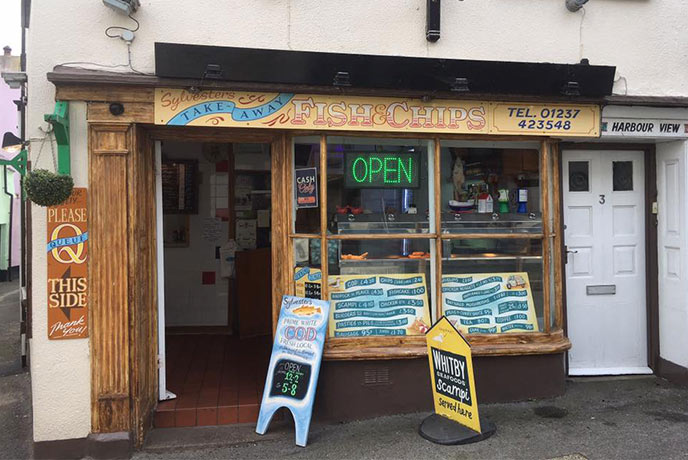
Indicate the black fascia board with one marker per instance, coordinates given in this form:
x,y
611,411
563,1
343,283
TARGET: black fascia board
x,y
381,72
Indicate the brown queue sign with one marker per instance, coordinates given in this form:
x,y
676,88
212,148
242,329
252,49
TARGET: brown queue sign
x,y
67,250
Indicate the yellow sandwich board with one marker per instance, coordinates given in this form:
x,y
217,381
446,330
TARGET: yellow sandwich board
x,y
451,373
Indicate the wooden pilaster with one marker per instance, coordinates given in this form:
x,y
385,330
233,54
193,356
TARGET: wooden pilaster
x,y
110,148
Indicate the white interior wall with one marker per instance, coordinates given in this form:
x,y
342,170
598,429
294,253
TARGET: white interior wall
x,y
60,369
188,302
672,242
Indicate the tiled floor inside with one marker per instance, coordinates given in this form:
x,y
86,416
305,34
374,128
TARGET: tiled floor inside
x,y
218,380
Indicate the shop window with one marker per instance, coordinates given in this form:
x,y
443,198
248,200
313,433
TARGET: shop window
x,y
378,185
622,172
408,241
306,178
492,237
380,288
579,176
307,272
491,188
493,286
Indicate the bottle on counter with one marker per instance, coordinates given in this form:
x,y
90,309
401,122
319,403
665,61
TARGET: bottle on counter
x,y
485,203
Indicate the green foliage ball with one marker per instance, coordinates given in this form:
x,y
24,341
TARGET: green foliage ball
x,y
46,188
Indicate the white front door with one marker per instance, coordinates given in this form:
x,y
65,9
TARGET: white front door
x,y
604,218
163,393
672,243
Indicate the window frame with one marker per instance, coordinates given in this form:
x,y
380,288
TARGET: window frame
x,y
550,340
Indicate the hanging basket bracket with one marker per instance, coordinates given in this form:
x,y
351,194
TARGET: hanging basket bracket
x,y
59,120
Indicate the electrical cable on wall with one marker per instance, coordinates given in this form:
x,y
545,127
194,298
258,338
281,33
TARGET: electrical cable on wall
x,y
122,36
128,36
580,35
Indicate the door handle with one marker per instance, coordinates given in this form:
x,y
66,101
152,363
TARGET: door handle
x,y
569,251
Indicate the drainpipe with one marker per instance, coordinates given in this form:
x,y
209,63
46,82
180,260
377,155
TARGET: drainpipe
x,y
9,239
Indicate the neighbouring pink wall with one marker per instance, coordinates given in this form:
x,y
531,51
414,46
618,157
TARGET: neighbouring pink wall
x,y
9,120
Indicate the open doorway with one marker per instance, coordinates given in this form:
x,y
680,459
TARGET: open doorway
x,y
214,278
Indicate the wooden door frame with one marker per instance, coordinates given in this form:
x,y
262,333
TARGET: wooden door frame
x,y
117,381
651,267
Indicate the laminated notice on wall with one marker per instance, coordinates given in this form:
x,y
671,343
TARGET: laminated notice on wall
x,y
488,303
378,305
246,233
227,259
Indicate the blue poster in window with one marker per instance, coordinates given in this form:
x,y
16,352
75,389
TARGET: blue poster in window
x,y
306,187
295,363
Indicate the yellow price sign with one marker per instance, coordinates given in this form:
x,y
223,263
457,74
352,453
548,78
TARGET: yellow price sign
x,y
451,373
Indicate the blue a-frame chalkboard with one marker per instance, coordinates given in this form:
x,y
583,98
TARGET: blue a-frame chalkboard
x,y
295,363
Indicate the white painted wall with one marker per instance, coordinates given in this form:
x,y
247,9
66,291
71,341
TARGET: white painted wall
x,y
60,369
647,40
672,246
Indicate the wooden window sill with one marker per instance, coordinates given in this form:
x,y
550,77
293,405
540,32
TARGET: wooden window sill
x,y
380,348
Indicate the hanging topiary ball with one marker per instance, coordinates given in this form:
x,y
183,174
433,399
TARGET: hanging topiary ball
x,y
46,188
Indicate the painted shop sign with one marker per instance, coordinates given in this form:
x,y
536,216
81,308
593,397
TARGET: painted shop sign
x,y
67,268
295,363
179,107
644,127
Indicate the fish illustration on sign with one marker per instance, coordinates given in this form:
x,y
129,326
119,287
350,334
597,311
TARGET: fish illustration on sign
x,y
439,338
307,310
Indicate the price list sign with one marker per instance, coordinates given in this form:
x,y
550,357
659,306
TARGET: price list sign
x,y
295,363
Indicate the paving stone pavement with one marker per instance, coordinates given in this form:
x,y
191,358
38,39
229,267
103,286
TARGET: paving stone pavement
x,y
15,384
597,418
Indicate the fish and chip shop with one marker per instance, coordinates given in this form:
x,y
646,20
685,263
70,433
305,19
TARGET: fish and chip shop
x,y
540,224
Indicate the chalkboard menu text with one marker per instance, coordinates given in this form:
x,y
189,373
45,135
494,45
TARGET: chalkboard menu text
x,y
313,290
290,378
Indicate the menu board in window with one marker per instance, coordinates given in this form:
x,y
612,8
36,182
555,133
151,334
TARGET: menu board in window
x,y
180,187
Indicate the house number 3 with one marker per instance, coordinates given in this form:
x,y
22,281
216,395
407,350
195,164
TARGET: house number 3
x,y
602,200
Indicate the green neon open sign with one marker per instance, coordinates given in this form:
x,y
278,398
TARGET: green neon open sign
x,y
382,170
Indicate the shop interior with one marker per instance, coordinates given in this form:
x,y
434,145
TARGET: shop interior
x,y
216,202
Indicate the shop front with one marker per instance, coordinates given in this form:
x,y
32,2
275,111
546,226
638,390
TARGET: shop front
x,y
398,208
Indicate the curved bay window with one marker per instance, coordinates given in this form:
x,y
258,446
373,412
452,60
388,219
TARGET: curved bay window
x,y
416,229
